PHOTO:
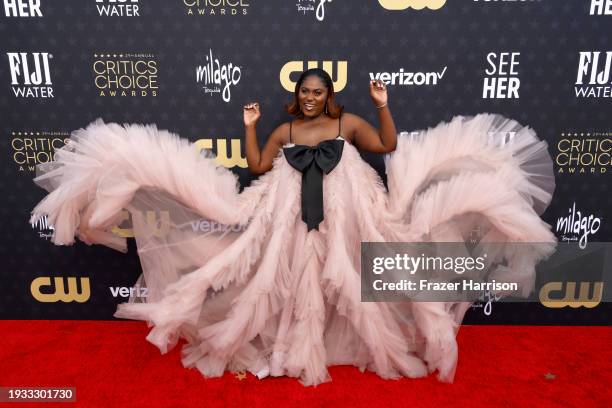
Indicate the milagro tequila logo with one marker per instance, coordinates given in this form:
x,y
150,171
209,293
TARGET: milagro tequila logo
x,y
215,76
312,6
118,8
485,301
22,8
577,226
216,7
44,229
30,74
594,75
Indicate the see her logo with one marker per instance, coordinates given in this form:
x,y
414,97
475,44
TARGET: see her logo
x,y
415,4
601,7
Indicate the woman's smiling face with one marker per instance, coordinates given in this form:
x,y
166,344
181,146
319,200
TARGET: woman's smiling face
x,y
312,96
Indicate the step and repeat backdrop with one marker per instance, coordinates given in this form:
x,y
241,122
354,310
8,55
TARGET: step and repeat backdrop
x,y
190,65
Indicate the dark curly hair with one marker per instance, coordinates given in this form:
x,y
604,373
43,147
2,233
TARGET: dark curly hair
x,y
333,110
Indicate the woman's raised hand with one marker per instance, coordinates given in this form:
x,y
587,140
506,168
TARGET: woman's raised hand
x,y
251,114
378,92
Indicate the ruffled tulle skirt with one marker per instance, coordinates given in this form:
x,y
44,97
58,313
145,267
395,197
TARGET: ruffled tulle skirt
x,y
242,280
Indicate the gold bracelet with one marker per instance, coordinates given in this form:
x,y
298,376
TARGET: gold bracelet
x,y
382,106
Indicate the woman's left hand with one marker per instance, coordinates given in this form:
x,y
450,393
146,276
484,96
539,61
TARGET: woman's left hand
x,y
378,92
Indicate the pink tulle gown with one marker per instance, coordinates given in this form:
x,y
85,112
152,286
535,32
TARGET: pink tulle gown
x,y
249,286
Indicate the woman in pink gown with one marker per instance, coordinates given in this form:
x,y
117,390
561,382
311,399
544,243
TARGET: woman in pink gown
x,y
268,279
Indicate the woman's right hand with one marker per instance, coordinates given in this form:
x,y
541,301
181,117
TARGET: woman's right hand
x,y
251,114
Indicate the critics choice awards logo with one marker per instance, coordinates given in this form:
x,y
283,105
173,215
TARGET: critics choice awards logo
x,y
584,152
216,7
32,148
125,74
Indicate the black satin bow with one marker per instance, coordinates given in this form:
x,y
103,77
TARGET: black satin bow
x,y
312,162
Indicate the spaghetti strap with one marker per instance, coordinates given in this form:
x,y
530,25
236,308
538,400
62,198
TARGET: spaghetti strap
x,y
339,125
290,123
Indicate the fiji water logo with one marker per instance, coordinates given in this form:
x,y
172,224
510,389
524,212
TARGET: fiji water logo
x,y
31,74
594,74
118,8
577,226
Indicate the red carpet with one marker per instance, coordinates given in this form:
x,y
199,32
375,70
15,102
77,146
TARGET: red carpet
x,y
111,364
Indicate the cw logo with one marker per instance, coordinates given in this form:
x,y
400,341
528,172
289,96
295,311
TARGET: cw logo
x,y
59,291
298,66
415,4
569,295
159,225
235,157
